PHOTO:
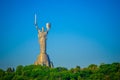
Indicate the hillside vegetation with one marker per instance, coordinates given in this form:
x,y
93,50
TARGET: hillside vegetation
x,y
37,72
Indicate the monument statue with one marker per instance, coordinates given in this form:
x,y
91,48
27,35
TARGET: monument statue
x,y
43,58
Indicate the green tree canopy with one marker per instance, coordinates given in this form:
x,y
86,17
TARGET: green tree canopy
x,y
37,72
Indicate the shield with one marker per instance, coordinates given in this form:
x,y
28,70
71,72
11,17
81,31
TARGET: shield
x,y
48,26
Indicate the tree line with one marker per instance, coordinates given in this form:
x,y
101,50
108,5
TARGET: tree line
x,y
37,72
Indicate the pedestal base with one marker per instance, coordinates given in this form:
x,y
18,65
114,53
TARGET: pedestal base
x,y
43,59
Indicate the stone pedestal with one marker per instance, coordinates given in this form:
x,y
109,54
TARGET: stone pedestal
x,y
43,59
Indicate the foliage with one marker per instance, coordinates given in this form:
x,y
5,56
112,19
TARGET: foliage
x,y
37,72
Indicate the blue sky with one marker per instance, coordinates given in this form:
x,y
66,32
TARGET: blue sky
x,y
82,32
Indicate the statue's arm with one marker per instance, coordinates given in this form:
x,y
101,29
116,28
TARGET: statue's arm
x,y
48,27
47,31
37,28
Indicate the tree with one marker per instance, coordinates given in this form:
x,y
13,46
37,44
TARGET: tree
x,y
79,78
59,69
19,70
104,68
10,69
92,67
2,73
96,76
37,72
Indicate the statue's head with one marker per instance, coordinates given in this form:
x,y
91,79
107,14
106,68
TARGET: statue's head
x,y
42,29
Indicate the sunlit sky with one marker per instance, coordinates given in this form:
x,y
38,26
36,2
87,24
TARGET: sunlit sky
x,y
82,32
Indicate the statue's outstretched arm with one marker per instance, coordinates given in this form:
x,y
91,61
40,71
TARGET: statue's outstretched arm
x,y
48,27
36,23
37,28
47,30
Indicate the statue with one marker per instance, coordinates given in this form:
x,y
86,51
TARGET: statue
x,y
42,38
43,58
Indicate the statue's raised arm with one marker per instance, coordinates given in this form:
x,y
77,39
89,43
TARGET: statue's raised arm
x,y
48,26
37,28
36,23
